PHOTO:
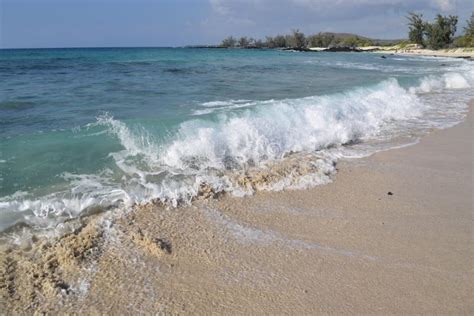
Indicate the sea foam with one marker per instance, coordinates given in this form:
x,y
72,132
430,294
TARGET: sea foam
x,y
237,152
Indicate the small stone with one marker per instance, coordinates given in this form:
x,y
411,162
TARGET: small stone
x,y
389,193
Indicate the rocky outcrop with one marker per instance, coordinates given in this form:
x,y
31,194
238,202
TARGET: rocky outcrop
x,y
343,49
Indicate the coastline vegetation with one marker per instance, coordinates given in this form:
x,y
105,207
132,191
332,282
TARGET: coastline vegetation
x,y
298,40
467,40
438,34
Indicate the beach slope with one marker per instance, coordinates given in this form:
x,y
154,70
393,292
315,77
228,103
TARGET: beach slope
x,y
392,234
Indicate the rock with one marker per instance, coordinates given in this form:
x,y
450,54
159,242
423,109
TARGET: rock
x,y
298,49
389,193
342,49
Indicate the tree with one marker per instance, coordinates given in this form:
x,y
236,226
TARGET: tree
x,y
416,28
269,42
350,41
280,41
229,42
440,33
316,41
244,42
256,43
467,40
327,40
469,28
299,40
289,41
356,41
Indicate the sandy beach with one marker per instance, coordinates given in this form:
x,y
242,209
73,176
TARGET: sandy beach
x,y
391,234
188,158
467,53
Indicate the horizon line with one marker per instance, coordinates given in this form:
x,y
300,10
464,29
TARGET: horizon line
x,y
79,47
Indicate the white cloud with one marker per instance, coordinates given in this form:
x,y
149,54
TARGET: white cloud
x,y
445,5
227,6
220,7
375,18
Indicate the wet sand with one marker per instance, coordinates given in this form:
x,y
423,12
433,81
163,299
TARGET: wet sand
x,y
392,234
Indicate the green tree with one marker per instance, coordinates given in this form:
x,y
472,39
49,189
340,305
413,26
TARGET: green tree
x,y
320,40
416,28
257,43
280,41
269,42
244,42
289,41
299,40
365,42
356,41
469,28
327,40
350,41
467,40
315,41
229,42
440,33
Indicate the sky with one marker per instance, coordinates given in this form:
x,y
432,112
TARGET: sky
x,y
116,23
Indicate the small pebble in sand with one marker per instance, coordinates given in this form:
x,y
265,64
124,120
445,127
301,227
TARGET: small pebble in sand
x,y
389,193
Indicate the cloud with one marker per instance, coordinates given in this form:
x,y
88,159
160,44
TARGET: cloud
x,y
227,7
219,6
445,5
372,18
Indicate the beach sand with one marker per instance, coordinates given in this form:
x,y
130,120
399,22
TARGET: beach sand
x,y
467,53
392,234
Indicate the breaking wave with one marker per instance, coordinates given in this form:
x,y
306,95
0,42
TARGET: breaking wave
x,y
267,145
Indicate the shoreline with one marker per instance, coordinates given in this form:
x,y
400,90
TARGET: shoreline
x,y
464,53
391,234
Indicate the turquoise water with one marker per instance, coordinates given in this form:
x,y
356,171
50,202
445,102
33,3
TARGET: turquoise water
x,y
82,129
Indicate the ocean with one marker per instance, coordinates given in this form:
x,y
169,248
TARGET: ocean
x,y
98,129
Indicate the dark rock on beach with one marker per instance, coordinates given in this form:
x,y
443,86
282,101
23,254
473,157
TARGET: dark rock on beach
x,y
342,49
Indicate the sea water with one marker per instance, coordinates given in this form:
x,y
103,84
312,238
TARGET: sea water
x,y
93,129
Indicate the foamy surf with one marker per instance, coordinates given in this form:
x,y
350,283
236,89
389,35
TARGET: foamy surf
x,y
265,145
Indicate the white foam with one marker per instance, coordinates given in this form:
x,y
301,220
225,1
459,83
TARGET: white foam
x,y
278,127
219,106
206,151
84,192
223,103
202,151
451,80
455,81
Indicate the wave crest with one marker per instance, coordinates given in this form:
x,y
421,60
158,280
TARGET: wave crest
x,y
267,145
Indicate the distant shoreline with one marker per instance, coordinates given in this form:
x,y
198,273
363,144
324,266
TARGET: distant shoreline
x,y
463,52
466,53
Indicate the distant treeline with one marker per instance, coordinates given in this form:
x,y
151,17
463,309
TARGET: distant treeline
x,y
440,32
298,40
437,34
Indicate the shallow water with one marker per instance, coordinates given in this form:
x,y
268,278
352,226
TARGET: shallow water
x,y
86,129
